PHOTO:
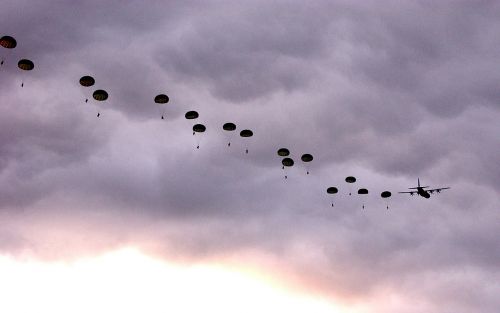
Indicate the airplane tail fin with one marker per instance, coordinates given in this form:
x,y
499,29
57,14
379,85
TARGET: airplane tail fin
x,y
418,181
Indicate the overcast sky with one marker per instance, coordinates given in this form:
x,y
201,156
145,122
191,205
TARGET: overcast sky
x,y
387,91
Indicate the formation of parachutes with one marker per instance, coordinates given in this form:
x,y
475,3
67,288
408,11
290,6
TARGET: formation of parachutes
x,y
100,95
10,43
361,191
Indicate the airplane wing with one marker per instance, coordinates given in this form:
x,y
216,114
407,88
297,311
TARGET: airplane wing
x,y
410,192
437,190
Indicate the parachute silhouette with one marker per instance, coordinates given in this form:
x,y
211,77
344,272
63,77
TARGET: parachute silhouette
x,y
229,127
191,115
306,158
385,195
350,180
25,65
161,99
7,42
363,191
246,133
332,191
87,81
198,128
287,162
100,95
283,152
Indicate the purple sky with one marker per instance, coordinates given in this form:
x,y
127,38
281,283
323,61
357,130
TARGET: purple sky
x,y
387,91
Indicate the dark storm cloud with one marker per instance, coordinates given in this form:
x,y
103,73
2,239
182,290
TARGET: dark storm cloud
x,y
263,52
386,91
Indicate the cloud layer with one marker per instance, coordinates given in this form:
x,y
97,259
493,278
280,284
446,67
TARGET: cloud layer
x,y
387,92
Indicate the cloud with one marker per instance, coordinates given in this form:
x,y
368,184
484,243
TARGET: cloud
x,y
387,93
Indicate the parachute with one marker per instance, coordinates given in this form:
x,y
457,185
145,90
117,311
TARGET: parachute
x,y
100,95
283,152
306,158
350,180
7,42
287,162
198,128
87,81
161,99
230,127
25,65
246,133
191,115
385,195
332,191
363,191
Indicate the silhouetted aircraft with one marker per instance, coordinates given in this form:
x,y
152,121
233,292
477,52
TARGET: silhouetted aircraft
x,y
421,191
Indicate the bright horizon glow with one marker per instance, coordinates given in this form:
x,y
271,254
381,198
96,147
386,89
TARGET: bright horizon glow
x,y
127,281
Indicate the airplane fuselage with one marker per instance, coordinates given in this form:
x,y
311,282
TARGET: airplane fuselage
x,y
421,192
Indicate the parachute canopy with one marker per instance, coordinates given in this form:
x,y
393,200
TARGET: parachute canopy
x,y
161,98
25,64
363,191
100,95
199,128
8,42
385,194
350,179
332,190
87,81
191,115
229,126
283,152
306,157
287,162
246,133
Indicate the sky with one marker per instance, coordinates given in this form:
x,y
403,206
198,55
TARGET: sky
x,y
386,91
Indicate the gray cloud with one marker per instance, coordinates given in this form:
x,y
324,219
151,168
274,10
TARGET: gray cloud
x,y
387,92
